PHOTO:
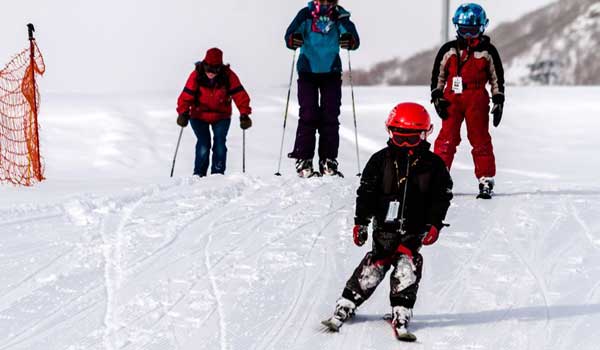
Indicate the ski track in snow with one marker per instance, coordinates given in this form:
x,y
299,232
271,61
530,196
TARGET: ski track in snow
x,y
217,295
210,267
290,321
113,271
35,273
586,230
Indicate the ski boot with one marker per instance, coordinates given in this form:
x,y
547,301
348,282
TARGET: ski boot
x,y
329,167
304,168
486,188
401,317
344,310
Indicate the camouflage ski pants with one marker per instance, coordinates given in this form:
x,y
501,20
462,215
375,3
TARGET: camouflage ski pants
x,y
404,280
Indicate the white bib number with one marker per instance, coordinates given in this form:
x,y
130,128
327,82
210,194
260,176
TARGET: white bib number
x,y
392,214
457,85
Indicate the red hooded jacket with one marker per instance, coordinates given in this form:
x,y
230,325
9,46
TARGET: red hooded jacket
x,y
210,100
480,64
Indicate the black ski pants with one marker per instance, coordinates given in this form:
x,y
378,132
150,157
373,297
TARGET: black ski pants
x,y
404,280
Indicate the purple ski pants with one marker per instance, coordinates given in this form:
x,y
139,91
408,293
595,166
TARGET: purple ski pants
x,y
320,98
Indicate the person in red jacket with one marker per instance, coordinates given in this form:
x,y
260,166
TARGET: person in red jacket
x,y
206,101
462,69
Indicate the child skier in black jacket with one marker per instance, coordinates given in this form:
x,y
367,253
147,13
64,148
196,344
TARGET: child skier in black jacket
x,y
406,190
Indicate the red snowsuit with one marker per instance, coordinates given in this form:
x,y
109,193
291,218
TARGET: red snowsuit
x,y
480,64
210,101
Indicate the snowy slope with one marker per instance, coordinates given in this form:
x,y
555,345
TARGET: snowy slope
x,y
109,253
563,34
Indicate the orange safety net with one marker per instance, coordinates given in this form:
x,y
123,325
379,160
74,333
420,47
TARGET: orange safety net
x,y
20,161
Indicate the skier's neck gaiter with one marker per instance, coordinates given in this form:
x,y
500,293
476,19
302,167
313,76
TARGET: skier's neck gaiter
x,y
322,20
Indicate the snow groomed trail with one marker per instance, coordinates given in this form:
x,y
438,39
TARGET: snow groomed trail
x,y
240,263
118,257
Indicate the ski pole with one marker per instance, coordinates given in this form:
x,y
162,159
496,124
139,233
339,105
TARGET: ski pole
x,y
37,164
287,106
176,149
354,113
243,151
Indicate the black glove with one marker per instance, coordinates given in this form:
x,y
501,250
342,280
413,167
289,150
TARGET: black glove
x,y
440,103
297,40
347,41
183,119
498,108
245,122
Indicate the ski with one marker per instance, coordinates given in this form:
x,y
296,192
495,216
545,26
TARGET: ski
x,y
484,196
306,174
403,334
486,188
485,193
329,167
336,174
333,324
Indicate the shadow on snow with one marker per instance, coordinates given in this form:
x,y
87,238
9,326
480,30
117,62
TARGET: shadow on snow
x,y
524,314
537,193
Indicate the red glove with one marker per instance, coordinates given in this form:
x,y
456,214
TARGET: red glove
x,y
431,236
360,234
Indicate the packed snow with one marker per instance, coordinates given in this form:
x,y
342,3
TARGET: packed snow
x,y
110,253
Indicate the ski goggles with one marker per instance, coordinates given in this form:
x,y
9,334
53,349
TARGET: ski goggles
x,y
468,31
214,69
323,7
406,137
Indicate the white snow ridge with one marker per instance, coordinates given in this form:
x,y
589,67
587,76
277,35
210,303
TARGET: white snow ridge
x,y
109,253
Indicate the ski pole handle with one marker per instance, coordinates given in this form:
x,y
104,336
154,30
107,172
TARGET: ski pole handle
x,y
30,29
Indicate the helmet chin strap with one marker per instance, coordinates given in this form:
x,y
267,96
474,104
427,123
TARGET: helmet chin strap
x,y
473,41
470,41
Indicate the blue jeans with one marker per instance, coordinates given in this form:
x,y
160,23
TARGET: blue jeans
x,y
219,156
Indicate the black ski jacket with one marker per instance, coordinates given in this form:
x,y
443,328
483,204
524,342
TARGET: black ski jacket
x,y
428,192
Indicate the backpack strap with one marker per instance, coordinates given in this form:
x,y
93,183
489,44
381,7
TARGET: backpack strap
x,y
225,79
199,72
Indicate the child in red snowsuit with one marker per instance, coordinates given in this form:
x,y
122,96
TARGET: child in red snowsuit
x,y
458,91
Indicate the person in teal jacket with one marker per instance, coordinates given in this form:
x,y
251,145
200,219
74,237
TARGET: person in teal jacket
x,y
320,30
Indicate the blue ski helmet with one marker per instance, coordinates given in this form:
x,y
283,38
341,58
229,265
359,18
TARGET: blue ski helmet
x,y
470,20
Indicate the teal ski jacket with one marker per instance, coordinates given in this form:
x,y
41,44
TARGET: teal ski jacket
x,y
321,34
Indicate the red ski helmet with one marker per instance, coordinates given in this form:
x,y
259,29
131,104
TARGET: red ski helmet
x,y
408,124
